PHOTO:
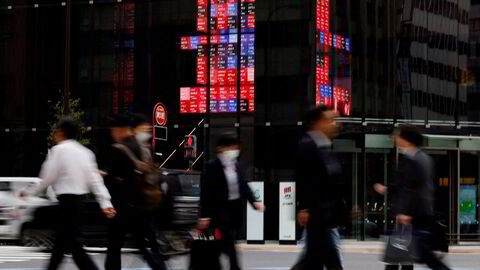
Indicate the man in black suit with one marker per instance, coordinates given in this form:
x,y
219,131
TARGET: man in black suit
x,y
121,178
319,186
412,192
223,193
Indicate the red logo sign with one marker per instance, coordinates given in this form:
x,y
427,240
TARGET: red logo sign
x,y
160,114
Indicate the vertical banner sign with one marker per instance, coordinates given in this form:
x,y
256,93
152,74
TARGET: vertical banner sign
x,y
287,221
255,218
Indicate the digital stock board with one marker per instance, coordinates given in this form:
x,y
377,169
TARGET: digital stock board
x,y
225,58
333,63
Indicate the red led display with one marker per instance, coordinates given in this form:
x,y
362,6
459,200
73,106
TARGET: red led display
x,y
202,70
202,16
193,100
328,75
124,69
219,64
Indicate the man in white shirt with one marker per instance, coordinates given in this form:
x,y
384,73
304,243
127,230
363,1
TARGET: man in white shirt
x,y
71,170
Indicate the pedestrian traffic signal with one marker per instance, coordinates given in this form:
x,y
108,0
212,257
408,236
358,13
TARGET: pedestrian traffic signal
x,y
190,147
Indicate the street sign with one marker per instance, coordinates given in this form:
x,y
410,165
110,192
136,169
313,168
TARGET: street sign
x,y
160,133
160,114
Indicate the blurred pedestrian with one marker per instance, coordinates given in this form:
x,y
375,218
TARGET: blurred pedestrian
x,y
223,193
142,129
319,187
393,190
412,192
72,171
133,216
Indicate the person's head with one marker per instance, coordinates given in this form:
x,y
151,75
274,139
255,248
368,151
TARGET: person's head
x,y
120,127
228,147
408,137
322,119
65,129
141,127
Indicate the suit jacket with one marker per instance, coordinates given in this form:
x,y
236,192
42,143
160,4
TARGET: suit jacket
x,y
214,202
319,184
412,190
121,177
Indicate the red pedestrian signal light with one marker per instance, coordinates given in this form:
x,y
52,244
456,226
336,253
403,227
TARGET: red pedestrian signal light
x,y
189,141
190,147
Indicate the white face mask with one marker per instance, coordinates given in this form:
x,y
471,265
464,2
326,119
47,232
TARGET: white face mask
x,y
143,136
230,155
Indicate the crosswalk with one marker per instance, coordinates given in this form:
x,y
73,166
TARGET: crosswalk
x,y
21,254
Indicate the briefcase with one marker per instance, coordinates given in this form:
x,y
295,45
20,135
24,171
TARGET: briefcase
x,y
205,251
401,247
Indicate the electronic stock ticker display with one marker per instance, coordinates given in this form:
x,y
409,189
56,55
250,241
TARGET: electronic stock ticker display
x,y
333,58
225,58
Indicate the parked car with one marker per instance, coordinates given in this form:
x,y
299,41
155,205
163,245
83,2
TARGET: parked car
x,y
178,215
15,212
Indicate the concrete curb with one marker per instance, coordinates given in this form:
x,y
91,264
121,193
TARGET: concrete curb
x,y
376,248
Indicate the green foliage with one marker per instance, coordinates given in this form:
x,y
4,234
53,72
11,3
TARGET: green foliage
x,y
57,111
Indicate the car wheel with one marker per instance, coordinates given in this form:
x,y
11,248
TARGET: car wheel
x,y
43,239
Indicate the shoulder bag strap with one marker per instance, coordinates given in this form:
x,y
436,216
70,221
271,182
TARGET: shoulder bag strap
x,y
128,152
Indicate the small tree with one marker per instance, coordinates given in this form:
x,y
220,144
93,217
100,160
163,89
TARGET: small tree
x,y
57,111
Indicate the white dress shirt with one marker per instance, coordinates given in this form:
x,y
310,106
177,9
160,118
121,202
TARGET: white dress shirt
x,y
71,168
320,139
230,170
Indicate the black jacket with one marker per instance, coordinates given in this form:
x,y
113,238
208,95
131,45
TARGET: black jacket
x,y
214,200
319,184
412,190
121,176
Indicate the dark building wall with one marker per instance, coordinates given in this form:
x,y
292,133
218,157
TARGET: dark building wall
x,y
32,55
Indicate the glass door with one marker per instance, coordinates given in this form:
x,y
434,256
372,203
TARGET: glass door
x,y
347,155
446,189
379,166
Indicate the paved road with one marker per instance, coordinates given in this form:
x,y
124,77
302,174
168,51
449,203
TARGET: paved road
x,y
13,258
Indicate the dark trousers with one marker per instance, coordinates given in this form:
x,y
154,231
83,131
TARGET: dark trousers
x,y
229,229
140,224
68,234
227,246
425,250
322,250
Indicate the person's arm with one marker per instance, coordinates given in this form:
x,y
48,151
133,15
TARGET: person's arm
x,y
49,173
407,190
97,185
304,200
245,190
206,206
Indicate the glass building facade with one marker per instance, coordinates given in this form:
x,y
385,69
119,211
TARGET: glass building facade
x,y
380,63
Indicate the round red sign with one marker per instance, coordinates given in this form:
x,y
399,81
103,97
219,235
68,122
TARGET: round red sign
x,y
160,114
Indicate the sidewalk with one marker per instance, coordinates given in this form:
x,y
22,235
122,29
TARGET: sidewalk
x,y
350,246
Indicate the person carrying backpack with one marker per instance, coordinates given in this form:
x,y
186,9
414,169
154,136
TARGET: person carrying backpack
x,y
135,196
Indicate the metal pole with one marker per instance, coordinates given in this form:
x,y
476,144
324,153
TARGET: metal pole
x,y
66,87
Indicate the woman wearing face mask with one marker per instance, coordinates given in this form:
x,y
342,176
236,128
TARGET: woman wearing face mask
x,y
223,194
143,133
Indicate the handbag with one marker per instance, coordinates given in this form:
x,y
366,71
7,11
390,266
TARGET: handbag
x,y
401,247
205,251
148,194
